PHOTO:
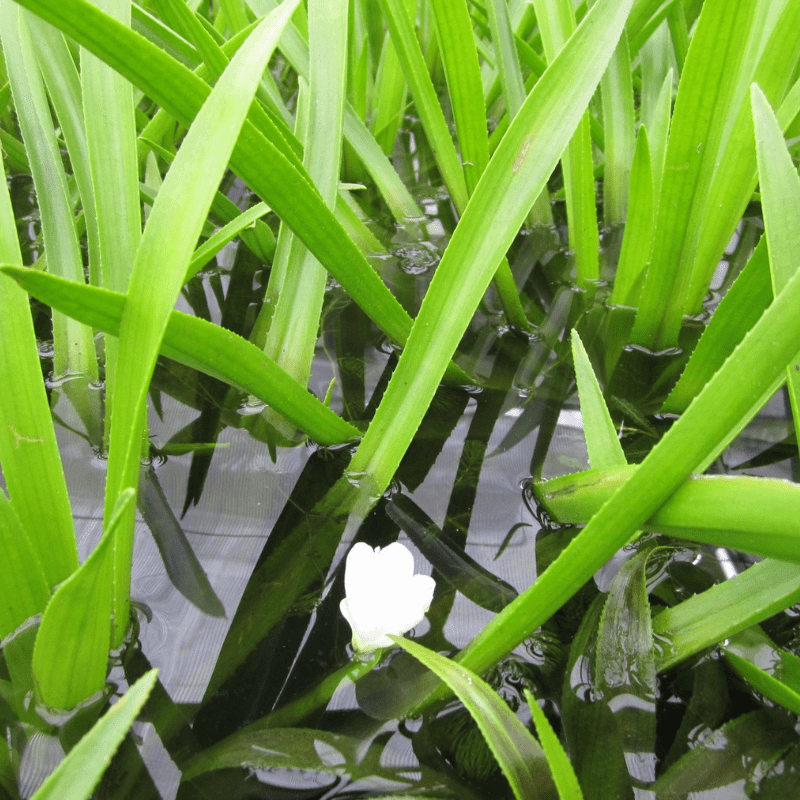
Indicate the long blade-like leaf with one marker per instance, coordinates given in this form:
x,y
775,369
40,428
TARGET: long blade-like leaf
x,y
262,164
780,202
77,775
198,344
514,178
28,451
162,259
71,652
518,753
24,591
755,515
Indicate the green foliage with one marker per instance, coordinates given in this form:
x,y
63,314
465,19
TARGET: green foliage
x,y
522,760
78,774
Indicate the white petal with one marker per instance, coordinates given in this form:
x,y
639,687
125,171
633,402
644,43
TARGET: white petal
x,y
383,595
394,563
358,567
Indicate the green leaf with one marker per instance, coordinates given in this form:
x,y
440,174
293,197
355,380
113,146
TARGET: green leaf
x,y
180,17
63,84
28,450
506,58
556,20
519,755
755,515
724,610
602,441
71,652
780,203
718,413
73,346
265,166
425,100
387,181
710,154
77,775
155,31
198,344
294,325
24,590
772,672
616,91
161,262
514,178
564,776
638,237
108,105
738,311
462,71
227,233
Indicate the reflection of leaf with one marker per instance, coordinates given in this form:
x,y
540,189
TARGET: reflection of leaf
x,y
294,748
470,464
509,536
455,566
183,568
780,451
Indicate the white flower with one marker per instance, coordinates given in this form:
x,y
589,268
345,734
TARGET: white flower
x,y
382,594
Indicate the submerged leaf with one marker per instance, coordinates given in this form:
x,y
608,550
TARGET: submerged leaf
x,y
625,666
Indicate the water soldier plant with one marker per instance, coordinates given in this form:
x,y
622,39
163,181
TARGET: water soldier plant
x,y
405,229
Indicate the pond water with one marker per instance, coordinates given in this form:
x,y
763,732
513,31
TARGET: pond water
x,y
247,508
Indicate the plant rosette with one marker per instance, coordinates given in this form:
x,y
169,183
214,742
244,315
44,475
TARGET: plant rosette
x,y
383,596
